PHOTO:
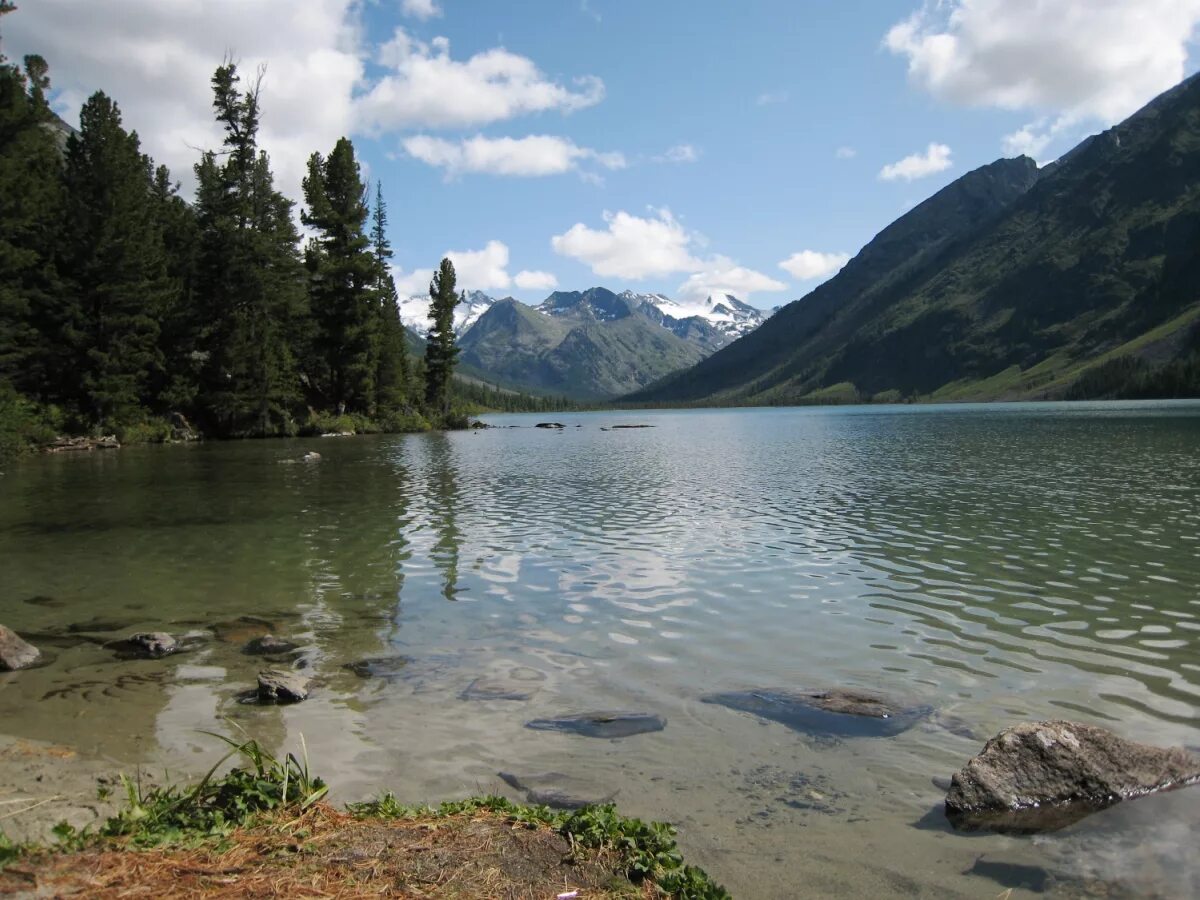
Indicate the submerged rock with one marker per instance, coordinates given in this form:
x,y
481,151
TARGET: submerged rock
x,y
616,427
840,711
275,686
556,790
520,683
549,425
268,645
16,653
43,600
378,667
602,724
146,645
98,624
1042,776
242,629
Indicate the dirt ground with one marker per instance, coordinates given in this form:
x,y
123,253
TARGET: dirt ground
x,y
326,853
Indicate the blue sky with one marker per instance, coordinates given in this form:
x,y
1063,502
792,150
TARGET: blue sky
x,y
673,146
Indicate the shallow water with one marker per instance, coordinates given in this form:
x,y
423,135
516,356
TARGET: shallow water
x,y
996,563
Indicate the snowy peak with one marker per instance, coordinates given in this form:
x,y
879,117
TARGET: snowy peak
x,y
414,312
724,312
595,304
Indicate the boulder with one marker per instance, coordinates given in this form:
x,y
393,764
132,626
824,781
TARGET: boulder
x,y
846,712
275,686
378,667
150,644
268,645
16,653
602,724
558,791
1041,776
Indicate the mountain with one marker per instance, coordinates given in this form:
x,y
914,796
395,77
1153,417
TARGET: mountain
x,y
1079,279
414,312
590,344
725,312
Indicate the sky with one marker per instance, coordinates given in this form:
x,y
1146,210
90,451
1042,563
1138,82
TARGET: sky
x,y
687,147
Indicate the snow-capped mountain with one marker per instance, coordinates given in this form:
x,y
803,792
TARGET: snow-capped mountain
x,y
414,312
726,313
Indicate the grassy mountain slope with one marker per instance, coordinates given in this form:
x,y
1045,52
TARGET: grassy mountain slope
x,y
1009,283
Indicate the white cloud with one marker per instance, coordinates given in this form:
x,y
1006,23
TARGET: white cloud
x,y
721,276
530,156
1029,140
770,98
936,158
811,264
636,247
156,59
421,9
846,153
1076,60
425,87
680,153
535,281
631,246
412,284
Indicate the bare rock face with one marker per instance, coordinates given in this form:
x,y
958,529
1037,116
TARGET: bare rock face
x,y
275,686
1040,776
16,653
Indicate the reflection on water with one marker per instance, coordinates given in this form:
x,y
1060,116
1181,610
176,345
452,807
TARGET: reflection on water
x,y
994,564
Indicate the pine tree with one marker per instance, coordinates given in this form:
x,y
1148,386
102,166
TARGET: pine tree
x,y
114,267
180,325
343,280
440,349
249,279
30,212
392,373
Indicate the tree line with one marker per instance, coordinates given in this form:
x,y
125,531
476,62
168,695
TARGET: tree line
x,y
122,304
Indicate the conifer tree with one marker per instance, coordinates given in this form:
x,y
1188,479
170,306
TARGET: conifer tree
x,y
114,268
392,373
344,276
30,212
440,349
249,278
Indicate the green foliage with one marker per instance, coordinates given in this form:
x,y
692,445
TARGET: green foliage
x,y
216,805
441,350
23,424
151,431
645,850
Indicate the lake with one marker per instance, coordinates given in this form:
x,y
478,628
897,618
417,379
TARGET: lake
x,y
995,563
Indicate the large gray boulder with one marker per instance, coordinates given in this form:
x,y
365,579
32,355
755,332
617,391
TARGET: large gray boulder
x,y
275,686
16,653
1040,776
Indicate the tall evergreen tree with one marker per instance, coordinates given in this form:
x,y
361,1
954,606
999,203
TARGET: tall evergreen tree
x,y
392,370
441,352
344,277
180,325
249,278
30,213
114,268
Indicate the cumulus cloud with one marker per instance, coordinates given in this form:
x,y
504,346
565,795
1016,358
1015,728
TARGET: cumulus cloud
x,y
421,9
1074,60
631,246
425,87
656,245
680,153
936,158
530,156
476,270
721,276
156,59
808,265
535,281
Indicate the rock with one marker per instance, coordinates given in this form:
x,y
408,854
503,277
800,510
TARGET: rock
x,y
378,667
181,429
478,424
839,711
338,434
556,790
268,645
275,686
16,653
1040,776
631,426
549,425
242,629
147,645
602,724
64,444
520,683
310,456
